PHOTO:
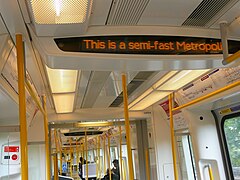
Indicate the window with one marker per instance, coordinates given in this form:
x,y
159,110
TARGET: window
x,y
231,127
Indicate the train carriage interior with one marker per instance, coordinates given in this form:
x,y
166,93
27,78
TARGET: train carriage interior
x,y
120,89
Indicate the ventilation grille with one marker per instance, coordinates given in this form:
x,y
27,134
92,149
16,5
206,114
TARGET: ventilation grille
x,y
126,12
205,12
132,86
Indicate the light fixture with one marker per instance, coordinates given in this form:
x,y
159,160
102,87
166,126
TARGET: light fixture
x,y
64,102
62,80
181,79
59,11
94,124
63,85
157,84
172,81
149,100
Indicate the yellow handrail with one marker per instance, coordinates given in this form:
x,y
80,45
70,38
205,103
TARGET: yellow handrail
x,y
22,107
231,58
48,170
127,127
210,172
147,164
172,136
33,95
207,96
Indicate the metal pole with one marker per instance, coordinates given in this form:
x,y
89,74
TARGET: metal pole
x,y
86,145
147,164
127,127
210,172
208,96
109,158
120,150
98,157
224,34
77,151
71,158
22,107
231,58
56,156
48,170
173,137
104,149
55,166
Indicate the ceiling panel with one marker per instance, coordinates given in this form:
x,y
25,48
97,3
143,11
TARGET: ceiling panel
x,y
100,11
112,88
167,12
229,16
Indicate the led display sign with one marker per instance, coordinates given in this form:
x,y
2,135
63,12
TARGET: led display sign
x,y
165,45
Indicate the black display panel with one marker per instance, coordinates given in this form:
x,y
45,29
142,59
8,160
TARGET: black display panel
x,y
155,45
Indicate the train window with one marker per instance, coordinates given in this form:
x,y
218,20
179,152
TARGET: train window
x,y
231,128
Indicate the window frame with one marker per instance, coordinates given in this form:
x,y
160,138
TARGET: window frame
x,y
225,145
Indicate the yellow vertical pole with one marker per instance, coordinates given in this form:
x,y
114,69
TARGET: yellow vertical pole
x,y
127,127
98,155
71,158
86,145
55,166
120,151
22,107
109,158
104,149
147,164
210,172
48,170
60,161
56,157
172,136
77,151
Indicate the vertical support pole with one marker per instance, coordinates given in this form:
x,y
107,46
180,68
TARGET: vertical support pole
x,y
109,158
223,30
127,127
120,151
98,156
55,158
172,136
147,164
86,145
22,107
48,170
77,151
55,166
61,163
104,149
71,158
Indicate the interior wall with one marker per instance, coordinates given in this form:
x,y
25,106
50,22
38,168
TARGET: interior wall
x,y
205,141
162,143
36,161
36,128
